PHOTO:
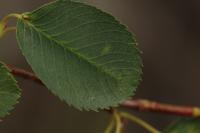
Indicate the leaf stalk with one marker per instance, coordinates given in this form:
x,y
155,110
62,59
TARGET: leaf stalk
x,y
4,22
118,121
140,122
110,126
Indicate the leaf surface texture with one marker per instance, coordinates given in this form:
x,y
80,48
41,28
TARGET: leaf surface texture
x,y
82,54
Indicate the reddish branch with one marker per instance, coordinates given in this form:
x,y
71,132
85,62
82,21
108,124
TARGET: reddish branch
x,y
140,104
24,74
145,105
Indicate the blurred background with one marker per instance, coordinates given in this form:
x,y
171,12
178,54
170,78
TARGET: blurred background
x,y
169,36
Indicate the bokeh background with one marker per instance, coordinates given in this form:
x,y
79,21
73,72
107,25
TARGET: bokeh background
x,y
169,36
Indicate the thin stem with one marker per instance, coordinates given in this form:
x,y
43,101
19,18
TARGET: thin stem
x,y
12,15
110,126
118,122
9,29
6,30
4,22
140,122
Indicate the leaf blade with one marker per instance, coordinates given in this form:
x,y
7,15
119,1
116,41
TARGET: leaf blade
x,y
80,47
9,91
185,125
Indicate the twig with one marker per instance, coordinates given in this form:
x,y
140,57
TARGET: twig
x,y
24,74
146,105
140,104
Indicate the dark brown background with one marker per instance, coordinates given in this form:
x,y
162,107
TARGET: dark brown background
x,y
169,36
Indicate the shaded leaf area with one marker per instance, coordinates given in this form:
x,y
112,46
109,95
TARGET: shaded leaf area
x,y
9,91
82,54
185,125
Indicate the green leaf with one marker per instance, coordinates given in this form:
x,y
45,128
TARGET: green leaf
x,y
9,91
82,54
185,125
